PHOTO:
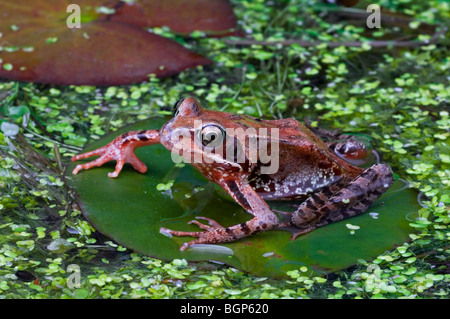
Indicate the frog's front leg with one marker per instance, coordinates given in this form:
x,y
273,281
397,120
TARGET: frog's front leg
x,y
245,195
121,150
341,201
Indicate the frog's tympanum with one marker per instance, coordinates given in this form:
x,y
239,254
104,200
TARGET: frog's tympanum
x,y
308,167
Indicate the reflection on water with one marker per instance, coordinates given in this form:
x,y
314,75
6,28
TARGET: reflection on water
x,y
420,198
211,249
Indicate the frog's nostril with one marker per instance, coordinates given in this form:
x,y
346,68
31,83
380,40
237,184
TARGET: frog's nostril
x,y
179,135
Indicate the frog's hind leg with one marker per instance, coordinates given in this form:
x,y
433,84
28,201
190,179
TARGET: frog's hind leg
x,y
263,219
338,202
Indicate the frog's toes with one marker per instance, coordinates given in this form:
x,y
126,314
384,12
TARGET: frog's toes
x,y
98,162
295,231
180,233
211,235
119,166
212,225
211,222
76,169
184,233
200,225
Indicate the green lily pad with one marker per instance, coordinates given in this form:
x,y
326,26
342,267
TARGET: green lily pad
x,y
131,208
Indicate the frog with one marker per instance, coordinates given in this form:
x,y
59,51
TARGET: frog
x,y
314,168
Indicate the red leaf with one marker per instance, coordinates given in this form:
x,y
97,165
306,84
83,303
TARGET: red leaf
x,y
215,17
38,46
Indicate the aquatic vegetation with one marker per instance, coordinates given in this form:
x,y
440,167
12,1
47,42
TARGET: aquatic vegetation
x,y
399,97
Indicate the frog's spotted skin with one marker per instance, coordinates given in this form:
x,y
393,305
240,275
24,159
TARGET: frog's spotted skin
x,y
309,168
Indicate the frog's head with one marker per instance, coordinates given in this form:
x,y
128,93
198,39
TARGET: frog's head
x,y
179,132
200,136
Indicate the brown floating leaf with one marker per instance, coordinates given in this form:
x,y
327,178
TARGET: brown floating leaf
x,y
215,17
36,45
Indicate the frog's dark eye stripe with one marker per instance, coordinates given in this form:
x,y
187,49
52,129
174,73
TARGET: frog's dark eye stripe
x,y
177,106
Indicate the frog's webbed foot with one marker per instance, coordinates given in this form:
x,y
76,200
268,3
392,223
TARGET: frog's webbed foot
x,y
121,150
210,235
295,231
286,225
353,149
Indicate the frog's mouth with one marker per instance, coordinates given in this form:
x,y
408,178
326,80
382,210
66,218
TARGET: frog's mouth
x,y
165,135
177,140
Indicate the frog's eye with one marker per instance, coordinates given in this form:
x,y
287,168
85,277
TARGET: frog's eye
x,y
212,135
176,107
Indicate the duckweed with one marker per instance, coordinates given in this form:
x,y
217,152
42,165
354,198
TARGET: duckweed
x,y
398,97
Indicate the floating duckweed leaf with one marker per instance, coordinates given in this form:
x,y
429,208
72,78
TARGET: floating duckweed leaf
x,y
9,129
59,245
101,52
7,66
130,210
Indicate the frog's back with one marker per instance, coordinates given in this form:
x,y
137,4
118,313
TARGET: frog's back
x,y
306,165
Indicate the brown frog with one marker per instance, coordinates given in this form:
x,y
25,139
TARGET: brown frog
x,y
306,168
